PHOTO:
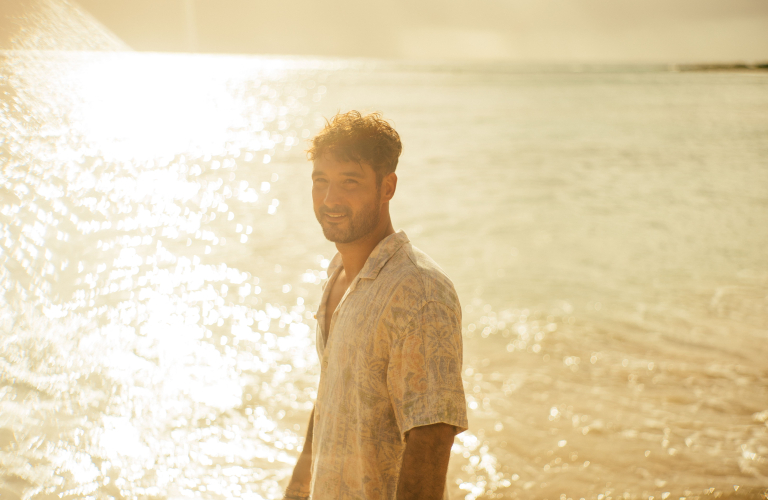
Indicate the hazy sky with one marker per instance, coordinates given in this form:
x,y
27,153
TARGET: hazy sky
x,y
520,30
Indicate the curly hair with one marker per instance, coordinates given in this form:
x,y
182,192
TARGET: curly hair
x,y
363,139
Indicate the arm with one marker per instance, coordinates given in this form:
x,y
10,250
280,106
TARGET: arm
x,y
298,487
425,462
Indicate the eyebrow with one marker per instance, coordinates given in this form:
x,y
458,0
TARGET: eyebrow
x,y
353,173
348,173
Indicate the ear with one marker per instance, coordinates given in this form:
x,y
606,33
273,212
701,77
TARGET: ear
x,y
388,186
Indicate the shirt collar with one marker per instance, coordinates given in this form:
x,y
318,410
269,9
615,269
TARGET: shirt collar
x,y
380,255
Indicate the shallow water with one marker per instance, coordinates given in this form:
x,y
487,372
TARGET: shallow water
x,y
160,262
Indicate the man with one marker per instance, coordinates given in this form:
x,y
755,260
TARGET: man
x,y
390,399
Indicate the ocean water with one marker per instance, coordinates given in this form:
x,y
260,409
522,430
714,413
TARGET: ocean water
x,y
606,229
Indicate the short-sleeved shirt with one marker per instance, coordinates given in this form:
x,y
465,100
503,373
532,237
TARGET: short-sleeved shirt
x,y
390,362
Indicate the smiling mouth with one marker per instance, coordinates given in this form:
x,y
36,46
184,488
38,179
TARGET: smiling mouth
x,y
334,216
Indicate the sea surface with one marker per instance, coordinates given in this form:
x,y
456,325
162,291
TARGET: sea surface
x,y
606,229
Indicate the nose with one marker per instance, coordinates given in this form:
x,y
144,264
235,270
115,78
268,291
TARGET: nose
x,y
332,195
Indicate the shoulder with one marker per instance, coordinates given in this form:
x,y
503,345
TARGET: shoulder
x,y
414,273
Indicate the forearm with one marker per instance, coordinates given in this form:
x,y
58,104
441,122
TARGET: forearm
x,y
425,463
298,487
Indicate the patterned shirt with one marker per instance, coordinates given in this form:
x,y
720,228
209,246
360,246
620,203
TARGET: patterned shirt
x,y
392,362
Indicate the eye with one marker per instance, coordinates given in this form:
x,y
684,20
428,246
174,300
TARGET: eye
x,y
350,182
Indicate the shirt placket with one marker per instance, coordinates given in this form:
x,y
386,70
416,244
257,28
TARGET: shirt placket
x,y
333,317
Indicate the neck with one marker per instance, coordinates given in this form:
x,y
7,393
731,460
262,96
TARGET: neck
x,y
355,253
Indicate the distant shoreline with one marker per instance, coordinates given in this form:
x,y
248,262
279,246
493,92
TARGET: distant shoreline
x,y
447,66
760,66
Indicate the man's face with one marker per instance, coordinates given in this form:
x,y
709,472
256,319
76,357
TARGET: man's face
x,y
346,198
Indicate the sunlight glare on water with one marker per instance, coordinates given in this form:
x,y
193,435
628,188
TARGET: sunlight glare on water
x,y
186,107
155,368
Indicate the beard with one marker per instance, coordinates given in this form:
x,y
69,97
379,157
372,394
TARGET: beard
x,y
354,226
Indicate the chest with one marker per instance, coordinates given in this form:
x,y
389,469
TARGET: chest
x,y
338,288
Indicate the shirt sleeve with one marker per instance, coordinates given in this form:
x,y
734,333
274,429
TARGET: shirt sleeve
x,y
424,372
